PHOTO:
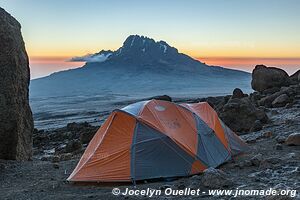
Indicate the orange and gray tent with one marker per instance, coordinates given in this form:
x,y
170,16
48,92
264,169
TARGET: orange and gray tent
x,y
157,139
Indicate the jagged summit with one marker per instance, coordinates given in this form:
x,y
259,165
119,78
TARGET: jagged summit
x,y
134,47
145,44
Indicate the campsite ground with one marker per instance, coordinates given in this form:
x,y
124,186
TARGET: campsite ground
x,y
269,164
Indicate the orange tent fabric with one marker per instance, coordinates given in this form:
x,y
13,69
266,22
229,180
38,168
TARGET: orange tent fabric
x,y
157,139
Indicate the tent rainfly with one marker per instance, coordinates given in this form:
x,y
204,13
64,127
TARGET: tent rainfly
x,y
157,139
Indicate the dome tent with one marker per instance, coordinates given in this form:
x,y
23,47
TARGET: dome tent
x,y
157,139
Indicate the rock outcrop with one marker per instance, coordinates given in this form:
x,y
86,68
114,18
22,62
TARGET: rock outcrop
x,y
286,95
268,77
295,78
16,123
241,115
238,94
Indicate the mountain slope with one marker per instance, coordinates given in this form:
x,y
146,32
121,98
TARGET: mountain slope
x,y
140,66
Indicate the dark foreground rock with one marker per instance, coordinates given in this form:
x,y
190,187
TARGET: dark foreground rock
x,y
16,123
241,115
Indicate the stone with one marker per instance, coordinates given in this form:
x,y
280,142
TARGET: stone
x,y
237,93
76,126
251,140
55,159
16,123
240,114
293,139
257,126
281,101
46,158
268,77
215,178
268,100
270,91
267,134
87,135
163,187
163,97
216,102
73,145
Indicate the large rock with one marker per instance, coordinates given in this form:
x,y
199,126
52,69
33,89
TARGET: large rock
x,y
267,101
295,78
16,123
240,115
268,77
238,94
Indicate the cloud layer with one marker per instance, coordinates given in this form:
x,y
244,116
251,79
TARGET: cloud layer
x,y
90,58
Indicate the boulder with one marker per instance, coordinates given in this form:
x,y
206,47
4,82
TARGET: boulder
x,y
16,123
281,101
87,135
293,139
66,156
241,114
215,178
270,91
163,97
295,78
268,100
216,102
267,134
238,93
268,77
257,126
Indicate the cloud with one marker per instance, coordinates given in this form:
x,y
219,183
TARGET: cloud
x,y
91,58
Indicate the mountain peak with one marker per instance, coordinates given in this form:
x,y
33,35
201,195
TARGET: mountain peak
x,y
141,46
137,49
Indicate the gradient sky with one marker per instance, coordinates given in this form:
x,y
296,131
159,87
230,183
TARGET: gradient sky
x,y
225,32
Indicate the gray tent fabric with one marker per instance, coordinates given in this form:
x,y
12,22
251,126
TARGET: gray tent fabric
x,y
135,108
211,151
235,143
155,155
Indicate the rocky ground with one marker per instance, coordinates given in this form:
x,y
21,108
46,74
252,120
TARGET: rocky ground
x,y
271,163
268,121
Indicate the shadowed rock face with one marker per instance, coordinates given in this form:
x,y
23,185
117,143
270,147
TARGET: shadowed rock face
x,y
16,123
